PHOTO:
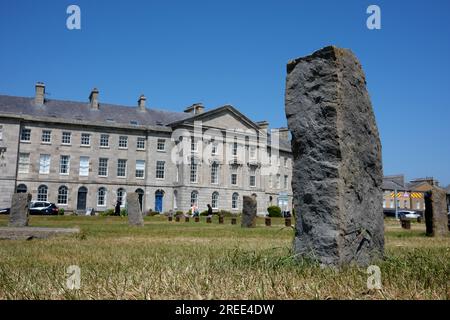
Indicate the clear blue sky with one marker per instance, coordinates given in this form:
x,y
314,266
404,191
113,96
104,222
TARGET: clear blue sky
x,y
218,52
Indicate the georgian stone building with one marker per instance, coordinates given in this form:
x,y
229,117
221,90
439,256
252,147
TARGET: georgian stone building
x,y
83,155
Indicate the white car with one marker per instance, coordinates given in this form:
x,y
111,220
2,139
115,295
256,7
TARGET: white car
x,y
410,215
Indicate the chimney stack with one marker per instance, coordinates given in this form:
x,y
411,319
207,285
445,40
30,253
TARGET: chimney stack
x,y
93,99
40,94
141,102
283,133
263,125
196,108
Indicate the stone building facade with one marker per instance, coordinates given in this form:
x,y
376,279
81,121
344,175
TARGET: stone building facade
x,y
83,155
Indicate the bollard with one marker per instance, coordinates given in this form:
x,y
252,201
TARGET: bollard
x,y
220,219
268,222
197,219
186,219
406,224
169,218
287,222
233,221
208,220
177,219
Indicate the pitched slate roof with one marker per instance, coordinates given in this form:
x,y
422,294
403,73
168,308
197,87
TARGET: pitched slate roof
x,y
70,110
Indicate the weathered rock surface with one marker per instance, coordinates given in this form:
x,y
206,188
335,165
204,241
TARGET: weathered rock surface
x,y
249,212
135,217
436,219
18,214
337,173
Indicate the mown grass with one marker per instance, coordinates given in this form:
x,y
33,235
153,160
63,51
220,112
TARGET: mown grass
x,y
165,260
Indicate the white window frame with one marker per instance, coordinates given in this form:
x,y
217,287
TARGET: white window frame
x,y
67,165
215,200
66,136
83,168
140,168
104,195
24,162
286,181
123,142
193,177
44,163
102,167
25,133
46,137
121,167
235,201
104,140
41,195
139,141
214,173
160,170
63,196
85,137
159,143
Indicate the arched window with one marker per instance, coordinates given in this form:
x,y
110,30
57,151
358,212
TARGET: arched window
x,y
215,200
62,195
21,188
101,197
42,193
141,194
175,200
122,196
235,201
194,198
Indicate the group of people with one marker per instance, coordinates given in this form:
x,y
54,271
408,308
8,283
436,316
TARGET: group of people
x,y
196,213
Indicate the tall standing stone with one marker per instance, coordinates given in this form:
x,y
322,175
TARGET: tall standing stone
x,y
436,219
134,210
249,212
18,213
337,172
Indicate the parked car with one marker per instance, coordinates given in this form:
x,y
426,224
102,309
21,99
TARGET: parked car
x,y
43,207
409,215
4,211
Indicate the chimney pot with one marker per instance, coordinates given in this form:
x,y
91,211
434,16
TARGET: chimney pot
x,y
39,97
93,99
196,108
263,125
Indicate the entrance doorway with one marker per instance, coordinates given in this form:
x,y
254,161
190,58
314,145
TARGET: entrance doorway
x,y
159,196
140,193
81,198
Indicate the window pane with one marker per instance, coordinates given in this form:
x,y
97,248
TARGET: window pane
x,y
84,166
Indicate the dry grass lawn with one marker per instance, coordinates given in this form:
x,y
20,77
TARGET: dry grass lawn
x,y
170,260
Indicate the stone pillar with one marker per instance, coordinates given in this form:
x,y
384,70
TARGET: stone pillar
x,y
436,219
18,214
134,210
249,212
337,172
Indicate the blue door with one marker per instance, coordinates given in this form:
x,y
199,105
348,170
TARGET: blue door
x,y
159,201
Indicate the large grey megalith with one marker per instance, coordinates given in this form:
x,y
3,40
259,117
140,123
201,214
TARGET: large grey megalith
x,y
337,172
135,217
18,213
249,209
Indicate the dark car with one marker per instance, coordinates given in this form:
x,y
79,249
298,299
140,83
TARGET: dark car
x,y
4,211
43,208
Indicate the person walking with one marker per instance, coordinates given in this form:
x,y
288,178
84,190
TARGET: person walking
x,y
117,208
210,211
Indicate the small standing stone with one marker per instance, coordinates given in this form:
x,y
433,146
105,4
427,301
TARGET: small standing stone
x,y
220,219
197,219
134,210
186,219
436,219
287,222
268,222
208,220
249,212
18,214
233,221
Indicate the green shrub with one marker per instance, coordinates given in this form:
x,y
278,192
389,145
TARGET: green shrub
x,y
152,213
180,213
274,211
226,214
61,212
204,213
123,212
106,213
